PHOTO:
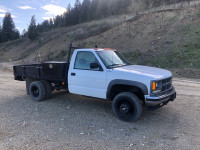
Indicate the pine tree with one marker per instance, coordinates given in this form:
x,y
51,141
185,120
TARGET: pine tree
x,y
113,7
57,21
93,9
8,30
102,9
86,11
84,16
32,31
62,21
69,8
39,28
124,4
51,23
45,25
24,33
76,12
17,34
67,15
0,34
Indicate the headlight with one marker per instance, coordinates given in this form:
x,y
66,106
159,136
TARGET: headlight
x,y
156,86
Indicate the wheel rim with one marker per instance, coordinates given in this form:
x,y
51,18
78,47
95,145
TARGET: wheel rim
x,y
35,91
125,108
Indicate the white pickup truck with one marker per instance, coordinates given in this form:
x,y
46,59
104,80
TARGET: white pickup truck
x,y
104,74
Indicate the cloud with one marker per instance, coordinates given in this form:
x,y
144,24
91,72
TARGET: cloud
x,y
53,10
2,15
29,2
4,9
55,1
27,7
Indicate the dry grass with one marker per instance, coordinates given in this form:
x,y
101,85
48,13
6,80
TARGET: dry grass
x,y
156,34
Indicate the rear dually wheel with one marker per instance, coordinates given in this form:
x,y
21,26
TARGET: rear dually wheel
x,y
37,91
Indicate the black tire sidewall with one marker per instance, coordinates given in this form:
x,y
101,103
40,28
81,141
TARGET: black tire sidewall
x,y
47,88
41,88
133,100
28,82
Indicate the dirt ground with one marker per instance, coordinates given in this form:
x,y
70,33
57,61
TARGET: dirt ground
x,y
67,121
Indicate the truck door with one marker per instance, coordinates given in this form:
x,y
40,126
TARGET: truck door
x,y
83,79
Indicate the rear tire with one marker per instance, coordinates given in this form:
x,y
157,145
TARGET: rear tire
x,y
47,87
28,82
127,107
37,91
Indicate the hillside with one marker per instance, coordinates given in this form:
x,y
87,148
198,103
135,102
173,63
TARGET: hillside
x,y
166,37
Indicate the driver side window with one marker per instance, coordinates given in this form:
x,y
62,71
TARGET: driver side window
x,y
83,61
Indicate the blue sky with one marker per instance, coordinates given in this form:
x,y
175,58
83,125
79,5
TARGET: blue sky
x,y
22,10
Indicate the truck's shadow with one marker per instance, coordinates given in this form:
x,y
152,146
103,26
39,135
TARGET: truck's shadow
x,y
73,108
104,106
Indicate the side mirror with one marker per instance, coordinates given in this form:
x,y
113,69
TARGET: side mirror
x,y
94,65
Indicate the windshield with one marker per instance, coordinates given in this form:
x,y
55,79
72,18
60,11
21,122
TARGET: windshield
x,y
112,59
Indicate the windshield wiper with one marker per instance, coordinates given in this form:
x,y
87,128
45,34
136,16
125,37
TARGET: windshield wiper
x,y
113,65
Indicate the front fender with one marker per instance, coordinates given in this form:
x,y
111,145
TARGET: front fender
x,y
140,85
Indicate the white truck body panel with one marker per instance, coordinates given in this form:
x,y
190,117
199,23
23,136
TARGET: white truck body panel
x,y
142,74
87,82
95,83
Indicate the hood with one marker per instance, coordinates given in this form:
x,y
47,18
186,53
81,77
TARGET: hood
x,y
151,72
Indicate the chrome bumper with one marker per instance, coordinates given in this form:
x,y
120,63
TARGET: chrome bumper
x,y
160,100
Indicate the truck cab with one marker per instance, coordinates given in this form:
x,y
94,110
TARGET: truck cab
x,y
106,74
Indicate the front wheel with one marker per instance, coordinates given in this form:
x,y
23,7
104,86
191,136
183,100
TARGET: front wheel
x,y
127,107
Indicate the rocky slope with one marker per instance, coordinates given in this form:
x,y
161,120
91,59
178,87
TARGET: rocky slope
x,y
165,36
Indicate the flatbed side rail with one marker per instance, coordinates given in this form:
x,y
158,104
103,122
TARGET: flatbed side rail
x,y
33,71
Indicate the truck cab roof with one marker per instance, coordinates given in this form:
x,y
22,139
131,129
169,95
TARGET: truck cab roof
x,y
95,49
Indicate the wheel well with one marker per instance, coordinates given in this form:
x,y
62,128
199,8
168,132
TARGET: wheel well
x,y
116,89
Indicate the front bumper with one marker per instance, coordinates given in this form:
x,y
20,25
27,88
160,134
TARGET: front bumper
x,y
160,100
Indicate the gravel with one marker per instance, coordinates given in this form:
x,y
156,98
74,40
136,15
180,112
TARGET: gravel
x,y
67,121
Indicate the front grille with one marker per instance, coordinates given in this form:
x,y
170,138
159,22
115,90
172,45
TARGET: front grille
x,y
166,87
166,84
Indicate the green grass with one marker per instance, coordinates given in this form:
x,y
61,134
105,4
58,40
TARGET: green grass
x,y
183,53
198,14
187,56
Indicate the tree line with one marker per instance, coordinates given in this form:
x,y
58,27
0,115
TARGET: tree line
x,y
81,12
89,10
8,30
86,11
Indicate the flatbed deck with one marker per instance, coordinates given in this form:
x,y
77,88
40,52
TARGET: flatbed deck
x,y
51,71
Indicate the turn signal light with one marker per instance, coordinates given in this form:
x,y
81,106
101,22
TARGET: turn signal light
x,y
154,86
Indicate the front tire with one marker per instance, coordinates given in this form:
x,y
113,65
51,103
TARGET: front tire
x,y
127,107
37,91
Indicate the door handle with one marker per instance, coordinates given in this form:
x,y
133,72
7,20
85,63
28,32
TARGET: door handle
x,y
73,74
